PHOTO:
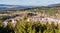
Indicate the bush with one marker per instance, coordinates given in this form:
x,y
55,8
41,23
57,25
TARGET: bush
x,y
35,27
30,27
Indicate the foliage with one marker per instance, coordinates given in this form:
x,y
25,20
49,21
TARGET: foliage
x,y
4,17
36,27
30,27
7,29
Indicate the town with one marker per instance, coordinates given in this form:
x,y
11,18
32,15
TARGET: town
x,y
29,16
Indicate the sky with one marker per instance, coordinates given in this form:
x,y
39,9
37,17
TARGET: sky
x,y
30,2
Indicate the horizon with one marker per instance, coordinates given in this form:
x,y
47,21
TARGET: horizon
x,y
30,2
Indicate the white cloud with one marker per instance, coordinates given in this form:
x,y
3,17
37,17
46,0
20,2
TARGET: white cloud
x,y
29,2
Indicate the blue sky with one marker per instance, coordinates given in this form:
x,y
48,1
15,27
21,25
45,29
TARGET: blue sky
x,y
29,2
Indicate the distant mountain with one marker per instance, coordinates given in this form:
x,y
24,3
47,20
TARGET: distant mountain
x,y
12,7
3,5
18,7
54,5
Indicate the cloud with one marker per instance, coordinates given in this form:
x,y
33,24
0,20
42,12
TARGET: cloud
x,y
29,2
